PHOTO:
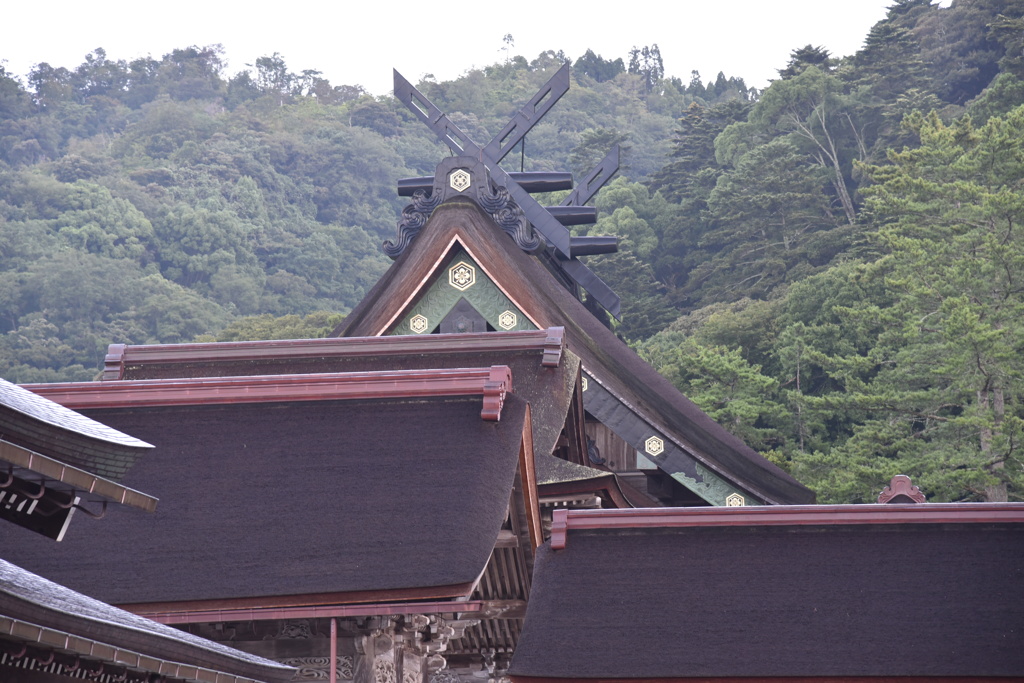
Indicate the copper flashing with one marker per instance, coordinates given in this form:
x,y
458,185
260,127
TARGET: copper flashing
x,y
492,383
794,515
121,358
78,481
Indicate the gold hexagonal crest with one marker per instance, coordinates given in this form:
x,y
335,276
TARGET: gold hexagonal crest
x,y
461,276
585,383
459,179
418,324
735,500
507,320
654,446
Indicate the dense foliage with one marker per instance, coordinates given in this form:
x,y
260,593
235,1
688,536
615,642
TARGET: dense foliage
x,y
831,267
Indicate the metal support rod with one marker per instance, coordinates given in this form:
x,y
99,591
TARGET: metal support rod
x,y
334,650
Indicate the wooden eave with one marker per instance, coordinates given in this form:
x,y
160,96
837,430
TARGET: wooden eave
x,y
491,383
475,608
124,361
608,486
81,653
266,604
48,623
646,402
565,521
26,464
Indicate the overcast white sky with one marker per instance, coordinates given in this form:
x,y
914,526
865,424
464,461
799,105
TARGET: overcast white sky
x,y
359,43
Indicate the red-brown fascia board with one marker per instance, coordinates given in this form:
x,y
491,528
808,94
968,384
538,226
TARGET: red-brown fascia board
x,y
355,600
550,341
782,515
479,607
492,383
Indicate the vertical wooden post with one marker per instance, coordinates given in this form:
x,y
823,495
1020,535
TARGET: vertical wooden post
x,y
334,651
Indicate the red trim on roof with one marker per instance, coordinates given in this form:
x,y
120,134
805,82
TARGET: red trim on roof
x,y
316,611
492,383
457,593
120,356
564,521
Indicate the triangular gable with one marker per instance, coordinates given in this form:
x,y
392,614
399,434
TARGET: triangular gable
x,y
623,391
461,277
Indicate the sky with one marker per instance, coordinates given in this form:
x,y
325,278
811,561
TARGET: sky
x,y
360,43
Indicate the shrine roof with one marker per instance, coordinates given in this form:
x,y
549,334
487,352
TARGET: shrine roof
x,y
924,590
634,383
40,425
48,616
302,502
557,477
544,371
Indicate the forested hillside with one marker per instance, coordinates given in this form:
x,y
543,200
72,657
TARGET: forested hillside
x,y
831,267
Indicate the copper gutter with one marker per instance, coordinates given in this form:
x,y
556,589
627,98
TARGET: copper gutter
x,y
782,515
492,383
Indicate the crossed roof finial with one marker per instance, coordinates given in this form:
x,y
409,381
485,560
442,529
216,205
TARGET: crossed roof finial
x,y
545,220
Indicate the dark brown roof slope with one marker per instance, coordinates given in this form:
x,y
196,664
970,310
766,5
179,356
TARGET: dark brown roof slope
x,y
856,598
329,500
49,428
27,600
632,381
546,384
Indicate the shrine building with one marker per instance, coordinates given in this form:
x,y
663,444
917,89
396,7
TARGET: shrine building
x,y
474,446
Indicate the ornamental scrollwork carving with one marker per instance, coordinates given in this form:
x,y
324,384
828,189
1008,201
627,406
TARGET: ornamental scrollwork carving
x,y
319,668
445,676
510,218
294,629
414,217
384,670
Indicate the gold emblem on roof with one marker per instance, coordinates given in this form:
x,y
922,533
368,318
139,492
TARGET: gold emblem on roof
x,y
735,500
654,446
507,320
418,324
459,180
461,276
585,383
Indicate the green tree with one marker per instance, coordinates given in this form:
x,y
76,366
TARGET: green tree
x,y
940,390
812,108
646,62
597,67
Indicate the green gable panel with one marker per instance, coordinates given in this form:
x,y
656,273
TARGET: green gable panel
x,y
462,278
652,444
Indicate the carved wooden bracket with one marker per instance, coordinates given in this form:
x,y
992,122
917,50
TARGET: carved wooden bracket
x,y
113,363
553,345
498,383
901,490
